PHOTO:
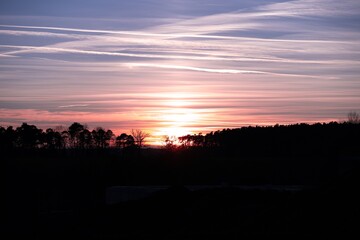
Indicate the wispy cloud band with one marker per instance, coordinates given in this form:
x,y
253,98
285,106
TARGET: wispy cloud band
x,y
283,62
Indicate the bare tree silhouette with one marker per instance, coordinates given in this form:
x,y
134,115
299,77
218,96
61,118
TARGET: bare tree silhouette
x,y
353,117
139,137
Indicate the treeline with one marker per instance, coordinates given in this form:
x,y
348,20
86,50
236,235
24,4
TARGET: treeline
x,y
294,139
75,136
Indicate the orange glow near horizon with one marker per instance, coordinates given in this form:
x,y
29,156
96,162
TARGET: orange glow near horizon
x,y
170,113
176,120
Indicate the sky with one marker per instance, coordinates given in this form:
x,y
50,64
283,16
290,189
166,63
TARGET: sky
x,y
176,67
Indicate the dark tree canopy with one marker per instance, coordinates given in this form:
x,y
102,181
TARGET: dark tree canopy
x,y
74,132
124,140
28,136
285,139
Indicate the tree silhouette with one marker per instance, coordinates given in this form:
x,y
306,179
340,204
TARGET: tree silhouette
x,y
101,137
8,138
130,141
124,140
266,140
28,136
121,140
98,135
53,139
108,137
66,139
195,140
185,141
354,118
169,142
74,132
85,139
139,137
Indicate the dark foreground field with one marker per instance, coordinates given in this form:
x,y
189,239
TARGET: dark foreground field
x,y
56,195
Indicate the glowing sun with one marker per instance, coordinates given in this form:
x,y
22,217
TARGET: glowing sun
x,y
177,119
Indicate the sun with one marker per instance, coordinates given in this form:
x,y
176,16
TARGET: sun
x,y
177,119
177,122
175,131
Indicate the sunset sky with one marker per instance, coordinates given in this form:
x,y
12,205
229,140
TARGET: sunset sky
x,y
173,67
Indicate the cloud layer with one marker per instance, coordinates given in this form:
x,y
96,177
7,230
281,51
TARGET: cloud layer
x,y
189,68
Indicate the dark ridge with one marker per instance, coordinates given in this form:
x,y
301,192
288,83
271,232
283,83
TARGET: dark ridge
x,y
295,180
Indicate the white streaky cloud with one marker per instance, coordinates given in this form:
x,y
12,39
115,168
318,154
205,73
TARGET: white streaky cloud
x,y
214,70
278,70
35,49
178,67
67,68
221,55
261,18
41,34
207,25
313,8
163,32
81,30
6,55
73,106
133,33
